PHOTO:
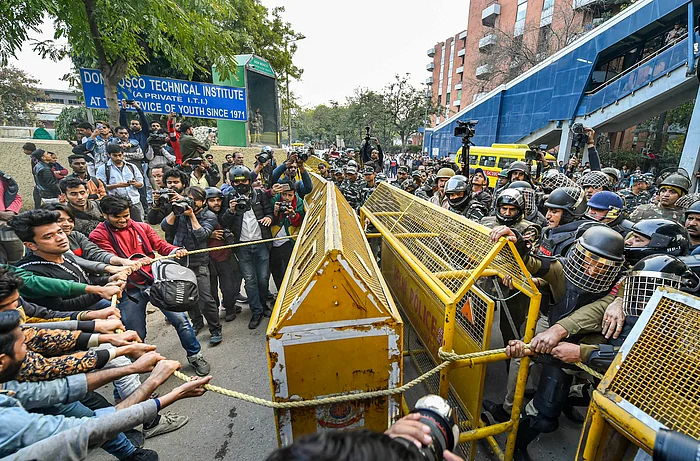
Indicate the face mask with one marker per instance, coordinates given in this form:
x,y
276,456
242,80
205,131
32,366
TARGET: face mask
x,y
243,189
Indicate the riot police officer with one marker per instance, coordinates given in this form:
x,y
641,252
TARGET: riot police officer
x,y
594,181
565,209
608,208
458,193
636,193
653,236
351,187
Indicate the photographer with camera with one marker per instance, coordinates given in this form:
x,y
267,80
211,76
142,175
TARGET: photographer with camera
x,y
264,166
292,170
584,137
249,217
121,178
372,157
288,215
201,174
212,170
138,128
156,153
192,224
175,182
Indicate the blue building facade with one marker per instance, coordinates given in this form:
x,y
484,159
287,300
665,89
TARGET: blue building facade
x,y
558,90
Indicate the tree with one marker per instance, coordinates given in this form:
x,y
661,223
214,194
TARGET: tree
x,y
119,35
18,93
407,107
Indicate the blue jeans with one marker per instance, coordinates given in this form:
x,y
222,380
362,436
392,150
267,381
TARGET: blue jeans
x,y
119,447
254,262
134,318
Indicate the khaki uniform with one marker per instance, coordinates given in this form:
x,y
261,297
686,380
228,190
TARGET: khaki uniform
x,y
653,211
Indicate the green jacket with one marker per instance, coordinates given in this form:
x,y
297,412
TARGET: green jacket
x,y
36,286
189,146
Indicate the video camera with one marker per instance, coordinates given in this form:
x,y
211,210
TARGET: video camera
x,y
164,196
580,137
535,153
465,129
157,139
675,446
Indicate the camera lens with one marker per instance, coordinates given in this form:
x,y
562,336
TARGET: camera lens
x,y
437,414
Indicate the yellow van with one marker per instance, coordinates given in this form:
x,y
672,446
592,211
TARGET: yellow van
x,y
496,158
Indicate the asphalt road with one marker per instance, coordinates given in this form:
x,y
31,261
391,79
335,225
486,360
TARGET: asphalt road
x,y
222,428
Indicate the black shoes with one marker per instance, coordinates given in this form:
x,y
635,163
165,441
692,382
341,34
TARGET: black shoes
x,y
255,321
230,317
496,411
267,312
142,454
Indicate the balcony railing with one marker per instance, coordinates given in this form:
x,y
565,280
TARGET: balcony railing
x,y
487,42
489,14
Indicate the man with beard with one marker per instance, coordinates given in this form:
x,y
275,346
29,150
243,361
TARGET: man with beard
x,y
692,224
440,199
79,165
176,180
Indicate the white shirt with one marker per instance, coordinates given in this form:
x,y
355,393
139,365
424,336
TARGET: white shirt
x,y
123,174
250,230
281,233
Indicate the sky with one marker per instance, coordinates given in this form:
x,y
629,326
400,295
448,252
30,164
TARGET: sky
x,y
348,44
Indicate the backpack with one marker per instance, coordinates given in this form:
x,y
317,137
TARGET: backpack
x,y
108,171
174,286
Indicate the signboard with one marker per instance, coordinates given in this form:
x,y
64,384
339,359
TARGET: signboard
x,y
260,65
164,95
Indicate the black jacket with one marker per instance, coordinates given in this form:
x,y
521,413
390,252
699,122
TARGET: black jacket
x,y
261,206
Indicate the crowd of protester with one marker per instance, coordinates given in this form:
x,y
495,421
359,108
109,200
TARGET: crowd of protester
x,y
93,234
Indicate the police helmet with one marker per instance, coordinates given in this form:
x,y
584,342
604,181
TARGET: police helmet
x,y
455,185
595,179
503,173
510,197
445,173
518,166
650,273
239,173
606,200
613,173
693,209
601,249
677,181
666,237
570,199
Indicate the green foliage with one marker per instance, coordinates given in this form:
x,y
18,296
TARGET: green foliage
x,y
394,113
18,93
64,129
621,157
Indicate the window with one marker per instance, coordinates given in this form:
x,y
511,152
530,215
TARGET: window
x,y
459,95
544,38
504,163
473,159
520,18
488,160
547,13
447,98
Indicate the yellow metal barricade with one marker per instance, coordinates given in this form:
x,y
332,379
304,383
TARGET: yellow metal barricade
x,y
313,161
431,259
335,329
653,383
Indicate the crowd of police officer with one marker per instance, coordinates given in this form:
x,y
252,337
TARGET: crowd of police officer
x,y
596,253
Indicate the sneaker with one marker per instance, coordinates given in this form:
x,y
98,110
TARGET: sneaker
x,y
201,367
241,299
216,338
142,454
168,422
498,414
230,317
267,312
255,321
135,437
239,309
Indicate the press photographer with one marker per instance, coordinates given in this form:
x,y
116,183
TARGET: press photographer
x,y
583,137
294,170
288,216
370,156
249,217
192,223
175,181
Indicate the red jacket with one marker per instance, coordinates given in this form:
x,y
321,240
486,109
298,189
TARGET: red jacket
x,y
130,241
175,141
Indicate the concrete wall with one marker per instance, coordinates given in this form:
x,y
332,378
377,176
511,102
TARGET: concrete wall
x,y
14,162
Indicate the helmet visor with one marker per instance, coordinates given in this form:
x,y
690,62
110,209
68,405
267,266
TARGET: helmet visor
x,y
641,285
590,272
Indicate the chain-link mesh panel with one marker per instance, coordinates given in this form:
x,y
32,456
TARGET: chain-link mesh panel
x,y
354,247
553,179
687,200
472,311
640,287
589,271
313,161
660,375
449,246
317,191
530,196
